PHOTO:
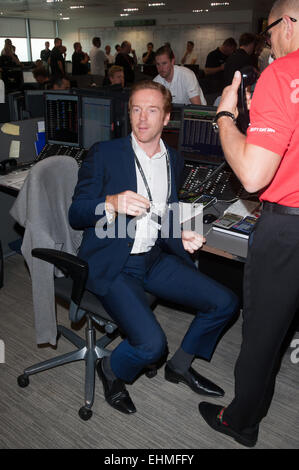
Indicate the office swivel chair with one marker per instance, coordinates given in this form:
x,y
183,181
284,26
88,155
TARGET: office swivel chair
x,y
61,172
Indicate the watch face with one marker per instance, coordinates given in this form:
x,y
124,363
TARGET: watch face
x,y
215,126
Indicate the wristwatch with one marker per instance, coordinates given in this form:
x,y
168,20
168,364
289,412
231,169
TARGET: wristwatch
x,y
219,115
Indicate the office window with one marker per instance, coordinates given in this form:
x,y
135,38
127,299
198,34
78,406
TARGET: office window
x,y
38,45
17,25
20,45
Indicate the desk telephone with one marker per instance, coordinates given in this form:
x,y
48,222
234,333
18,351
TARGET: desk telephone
x,y
249,77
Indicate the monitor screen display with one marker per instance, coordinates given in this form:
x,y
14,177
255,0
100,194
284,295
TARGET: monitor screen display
x,y
62,119
28,76
198,140
96,120
34,103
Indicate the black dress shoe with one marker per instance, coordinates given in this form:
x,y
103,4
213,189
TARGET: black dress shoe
x,y
195,381
212,415
116,393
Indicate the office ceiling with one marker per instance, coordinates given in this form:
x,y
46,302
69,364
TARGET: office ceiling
x,y
113,8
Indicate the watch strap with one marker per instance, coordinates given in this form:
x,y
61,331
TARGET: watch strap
x,y
224,113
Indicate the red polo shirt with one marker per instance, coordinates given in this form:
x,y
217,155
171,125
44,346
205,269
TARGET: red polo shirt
x,y
274,125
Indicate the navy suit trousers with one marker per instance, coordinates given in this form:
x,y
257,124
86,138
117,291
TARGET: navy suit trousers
x,y
172,279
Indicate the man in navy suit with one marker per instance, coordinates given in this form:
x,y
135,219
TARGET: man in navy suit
x,y
129,181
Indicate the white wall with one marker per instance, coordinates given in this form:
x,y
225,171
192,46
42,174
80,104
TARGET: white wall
x,y
207,31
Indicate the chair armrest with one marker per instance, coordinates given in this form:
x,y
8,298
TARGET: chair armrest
x,y
70,265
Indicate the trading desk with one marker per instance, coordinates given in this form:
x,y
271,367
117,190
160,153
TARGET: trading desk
x,y
222,257
222,244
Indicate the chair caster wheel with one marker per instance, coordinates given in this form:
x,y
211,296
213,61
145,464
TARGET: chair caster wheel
x,y
151,373
23,381
85,413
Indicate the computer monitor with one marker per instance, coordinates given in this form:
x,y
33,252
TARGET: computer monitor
x,y
28,76
34,103
62,112
198,140
16,103
170,133
96,119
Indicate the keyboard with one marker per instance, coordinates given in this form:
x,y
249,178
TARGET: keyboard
x,y
14,179
225,186
50,150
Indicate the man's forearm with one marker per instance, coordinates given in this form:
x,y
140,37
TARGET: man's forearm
x,y
233,144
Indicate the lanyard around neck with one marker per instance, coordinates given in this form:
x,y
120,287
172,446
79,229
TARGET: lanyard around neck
x,y
145,180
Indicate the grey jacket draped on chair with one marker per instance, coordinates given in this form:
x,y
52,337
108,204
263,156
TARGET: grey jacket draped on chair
x,y
42,208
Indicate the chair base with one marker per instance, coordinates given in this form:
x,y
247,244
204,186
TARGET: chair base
x,y
90,350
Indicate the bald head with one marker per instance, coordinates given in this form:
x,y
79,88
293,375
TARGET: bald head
x,y
284,7
284,27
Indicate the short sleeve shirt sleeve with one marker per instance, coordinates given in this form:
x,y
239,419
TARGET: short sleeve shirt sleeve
x,y
272,111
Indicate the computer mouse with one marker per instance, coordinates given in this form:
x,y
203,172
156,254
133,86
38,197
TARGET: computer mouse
x,y
209,218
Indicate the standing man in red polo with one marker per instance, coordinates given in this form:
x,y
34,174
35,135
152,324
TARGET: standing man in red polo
x,y
267,160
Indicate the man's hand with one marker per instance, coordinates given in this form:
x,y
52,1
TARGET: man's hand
x,y
128,202
229,98
192,241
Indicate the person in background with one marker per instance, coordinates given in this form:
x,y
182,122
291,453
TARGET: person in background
x,y
117,50
148,57
214,67
128,62
79,60
259,46
180,81
264,58
45,54
8,52
242,57
41,75
15,57
98,62
109,56
61,83
190,57
116,77
57,62
7,47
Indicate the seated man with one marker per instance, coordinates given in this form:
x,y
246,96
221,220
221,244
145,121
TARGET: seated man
x,y
116,76
60,83
42,77
180,81
124,189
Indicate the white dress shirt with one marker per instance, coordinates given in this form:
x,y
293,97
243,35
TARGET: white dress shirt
x,y
155,171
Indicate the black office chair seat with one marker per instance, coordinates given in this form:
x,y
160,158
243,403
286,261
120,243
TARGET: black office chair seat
x,y
83,303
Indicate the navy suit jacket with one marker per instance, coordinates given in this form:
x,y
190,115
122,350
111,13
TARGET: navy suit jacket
x,y
109,168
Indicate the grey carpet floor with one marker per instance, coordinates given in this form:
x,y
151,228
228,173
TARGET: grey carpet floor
x,y
45,414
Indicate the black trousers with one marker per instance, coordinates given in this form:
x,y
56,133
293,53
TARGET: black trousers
x,y
271,298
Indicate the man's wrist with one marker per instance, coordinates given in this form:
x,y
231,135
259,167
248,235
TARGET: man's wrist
x,y
109,207
220,115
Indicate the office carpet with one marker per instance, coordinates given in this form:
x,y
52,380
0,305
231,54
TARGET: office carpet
x,y
45,414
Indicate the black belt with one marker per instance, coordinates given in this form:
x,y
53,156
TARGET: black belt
x,y
279,209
